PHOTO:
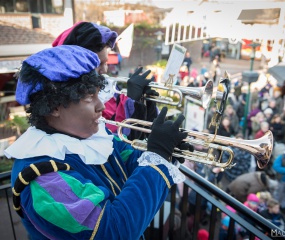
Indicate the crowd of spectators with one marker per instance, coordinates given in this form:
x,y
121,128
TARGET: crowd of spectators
x,y
262,190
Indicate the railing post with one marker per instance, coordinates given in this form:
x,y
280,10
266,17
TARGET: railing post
x,y
172,212
10,214
184,210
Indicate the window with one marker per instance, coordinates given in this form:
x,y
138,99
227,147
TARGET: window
x,y
6,6
21,6
36,6
32,6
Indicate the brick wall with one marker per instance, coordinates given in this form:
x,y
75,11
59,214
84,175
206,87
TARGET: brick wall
x,y
52,23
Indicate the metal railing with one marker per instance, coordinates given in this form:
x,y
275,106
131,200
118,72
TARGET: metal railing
x,y
5,195
163,225
255,225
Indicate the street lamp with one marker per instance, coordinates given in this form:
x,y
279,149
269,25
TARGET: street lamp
x,y
249,77
158,47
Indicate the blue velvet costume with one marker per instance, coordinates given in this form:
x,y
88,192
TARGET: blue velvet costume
x,y
93,188
116,200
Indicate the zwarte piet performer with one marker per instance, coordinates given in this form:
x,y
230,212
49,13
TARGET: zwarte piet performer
x,y
100,39
72,178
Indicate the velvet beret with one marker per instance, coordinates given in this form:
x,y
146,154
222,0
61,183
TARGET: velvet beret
x,y
88,35
58,64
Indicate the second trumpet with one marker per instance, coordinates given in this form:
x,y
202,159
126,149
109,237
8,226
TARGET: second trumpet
x,y
202,94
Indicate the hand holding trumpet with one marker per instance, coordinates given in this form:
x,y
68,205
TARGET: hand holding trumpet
x,y
137,85
165,136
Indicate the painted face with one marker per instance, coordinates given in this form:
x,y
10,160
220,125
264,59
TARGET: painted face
x,y
103,56
79,119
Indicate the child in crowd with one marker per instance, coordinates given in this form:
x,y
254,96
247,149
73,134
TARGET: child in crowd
x,y
273,214
263,199
256,122
223,233
252,202
264,127
229,208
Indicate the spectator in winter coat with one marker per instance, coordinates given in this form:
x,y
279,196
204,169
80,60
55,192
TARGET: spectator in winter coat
x,y
252,182
277,127
264,127
225,128
231,114
279,167
253,112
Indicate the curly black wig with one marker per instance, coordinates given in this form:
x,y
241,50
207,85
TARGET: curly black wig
x,y
54,94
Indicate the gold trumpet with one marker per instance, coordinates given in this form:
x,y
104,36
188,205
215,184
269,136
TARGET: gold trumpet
x,y
260,148
202,94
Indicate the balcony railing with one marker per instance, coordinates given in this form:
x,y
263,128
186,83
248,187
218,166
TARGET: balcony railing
x,y
162,227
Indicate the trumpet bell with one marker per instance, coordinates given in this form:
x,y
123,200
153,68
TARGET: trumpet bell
x,y
208,92
266,144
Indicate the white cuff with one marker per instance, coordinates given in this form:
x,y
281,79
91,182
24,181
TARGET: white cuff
x,y
150,158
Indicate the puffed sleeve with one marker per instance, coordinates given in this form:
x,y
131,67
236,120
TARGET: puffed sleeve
x,y
65,205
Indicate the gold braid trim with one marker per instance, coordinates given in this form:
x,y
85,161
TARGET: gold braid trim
x,y
16,208
35,169
162,174
113,189
121,169
97,223
67,166
110,178
22,179
53,164
15,193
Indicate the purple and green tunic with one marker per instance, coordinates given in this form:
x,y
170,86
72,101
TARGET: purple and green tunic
x,y
114,200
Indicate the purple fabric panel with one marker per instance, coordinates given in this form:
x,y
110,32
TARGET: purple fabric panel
x,y
129,107
106,34
82,210
129,110
38,227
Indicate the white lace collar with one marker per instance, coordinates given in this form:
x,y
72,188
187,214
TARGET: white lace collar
x,y
34,142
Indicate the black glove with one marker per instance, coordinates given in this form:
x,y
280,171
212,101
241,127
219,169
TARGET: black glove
x,y
184,146
165,135
150,92
137,85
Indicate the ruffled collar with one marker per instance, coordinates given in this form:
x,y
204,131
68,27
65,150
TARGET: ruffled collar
x,y
34,142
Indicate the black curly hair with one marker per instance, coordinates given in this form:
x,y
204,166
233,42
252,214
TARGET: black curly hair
x,y
54,94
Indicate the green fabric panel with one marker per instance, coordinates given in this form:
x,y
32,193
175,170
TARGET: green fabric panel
x,y
84,191
117,138
125,154
52,211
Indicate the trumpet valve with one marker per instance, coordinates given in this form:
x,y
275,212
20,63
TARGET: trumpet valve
x,y
210,154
